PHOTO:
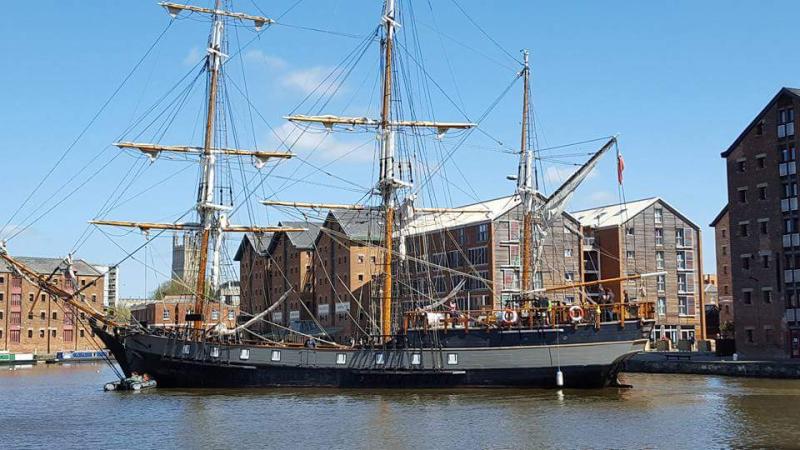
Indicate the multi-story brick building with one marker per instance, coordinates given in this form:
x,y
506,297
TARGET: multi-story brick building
x,y
171,312
763,215
291,269
484,242
725,293
254,279
647,236
33,322
348,263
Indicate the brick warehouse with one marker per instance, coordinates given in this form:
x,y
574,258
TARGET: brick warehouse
x,y
488,245
722,239
34,322
647,236
761,166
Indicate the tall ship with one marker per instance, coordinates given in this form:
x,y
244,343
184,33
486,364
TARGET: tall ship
x,y
411,326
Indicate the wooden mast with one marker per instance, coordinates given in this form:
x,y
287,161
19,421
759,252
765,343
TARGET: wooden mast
x,y
207,214
524,184
387,183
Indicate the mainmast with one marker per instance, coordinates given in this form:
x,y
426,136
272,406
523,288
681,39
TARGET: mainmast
x,y
526,182
387,183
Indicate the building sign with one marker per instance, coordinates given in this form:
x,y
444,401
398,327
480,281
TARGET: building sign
x,y
294,315
277,316
342,307
323,310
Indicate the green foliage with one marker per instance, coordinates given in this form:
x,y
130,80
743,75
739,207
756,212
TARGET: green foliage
x,y
727,329
120,313
171,287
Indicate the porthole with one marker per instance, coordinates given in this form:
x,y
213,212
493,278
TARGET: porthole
x,y
452,358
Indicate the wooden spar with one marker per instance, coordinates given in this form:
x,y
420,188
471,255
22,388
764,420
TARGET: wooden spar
x,y
596,282
329,121
387,183
155,149
316,205
364,207
145,226
527,221
175,8
332,120
53,289
207,187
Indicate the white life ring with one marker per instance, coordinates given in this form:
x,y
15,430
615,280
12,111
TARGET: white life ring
x,y
576,313
508,316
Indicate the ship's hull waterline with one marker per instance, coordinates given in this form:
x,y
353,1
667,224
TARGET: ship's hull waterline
x,y
175,362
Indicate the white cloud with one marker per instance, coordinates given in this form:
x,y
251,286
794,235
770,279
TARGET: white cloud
x,y
326,145
270,61
317,79
192,57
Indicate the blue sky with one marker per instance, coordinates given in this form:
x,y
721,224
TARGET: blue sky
x,y
678,80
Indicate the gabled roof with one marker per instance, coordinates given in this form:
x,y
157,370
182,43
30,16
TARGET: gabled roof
x,y
612,215
303,240
784,91
258,241
363,225
616,215
46,266
474,213
719,216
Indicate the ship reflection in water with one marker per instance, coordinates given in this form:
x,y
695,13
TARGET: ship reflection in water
x,y
65,406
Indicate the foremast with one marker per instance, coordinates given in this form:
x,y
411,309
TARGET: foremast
x,y
213,219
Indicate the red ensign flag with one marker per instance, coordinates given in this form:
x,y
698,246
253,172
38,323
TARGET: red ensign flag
x,y
620,167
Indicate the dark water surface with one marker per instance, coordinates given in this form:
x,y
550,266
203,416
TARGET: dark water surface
x,y
65,407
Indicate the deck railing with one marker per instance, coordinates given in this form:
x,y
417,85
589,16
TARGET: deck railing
x,y
533,317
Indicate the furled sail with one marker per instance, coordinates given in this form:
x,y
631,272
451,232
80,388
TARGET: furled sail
x,y
555,205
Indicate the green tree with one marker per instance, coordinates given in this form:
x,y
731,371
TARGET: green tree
x,y
176,287
120,313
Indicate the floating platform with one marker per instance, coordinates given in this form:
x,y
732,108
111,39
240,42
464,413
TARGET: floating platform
x,y
130,384
17,358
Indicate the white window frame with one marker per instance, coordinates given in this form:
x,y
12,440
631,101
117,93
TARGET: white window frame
x,y
186,349
659,302
379,359
416,359
244,354
452,359
275,356
341,358
215,352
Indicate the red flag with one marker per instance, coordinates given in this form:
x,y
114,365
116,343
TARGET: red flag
x,y
620,167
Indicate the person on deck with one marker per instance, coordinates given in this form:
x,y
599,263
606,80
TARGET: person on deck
x,y
453,309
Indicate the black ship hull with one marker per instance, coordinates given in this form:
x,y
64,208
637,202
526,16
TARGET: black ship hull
x,y
176,362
